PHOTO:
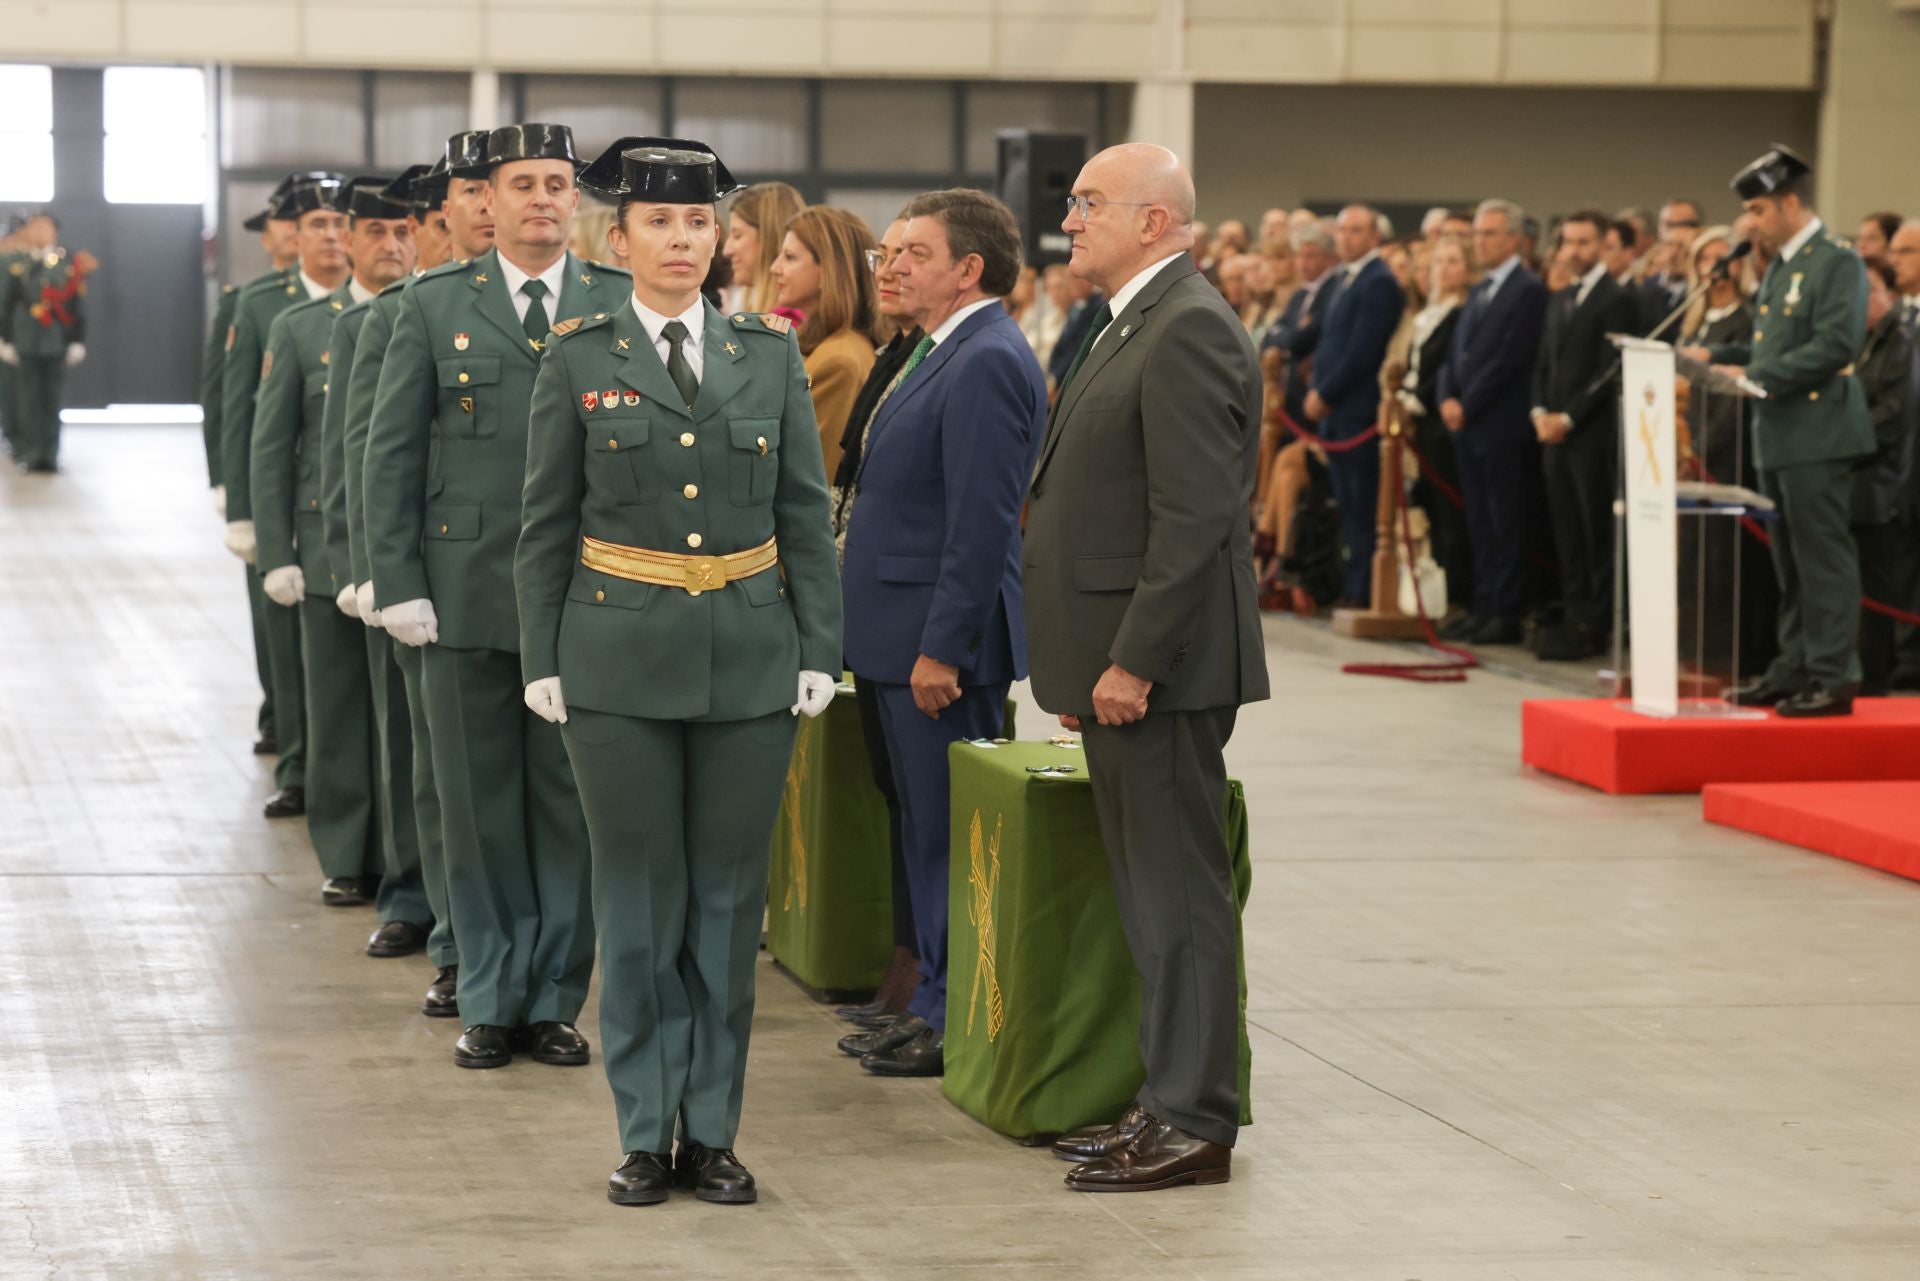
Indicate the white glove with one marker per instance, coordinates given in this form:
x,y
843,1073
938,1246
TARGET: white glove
x,y
285,585
220,501
76,353
543,699
240,540
9,354
347,603
412,622
816,692
363,604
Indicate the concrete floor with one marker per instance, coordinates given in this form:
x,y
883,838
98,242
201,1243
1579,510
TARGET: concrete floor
x,y
1503,1027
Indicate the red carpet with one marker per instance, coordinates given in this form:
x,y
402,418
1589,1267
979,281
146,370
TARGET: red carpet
x,y
1877,824
1600,742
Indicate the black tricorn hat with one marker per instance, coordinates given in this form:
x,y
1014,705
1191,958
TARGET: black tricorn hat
x,y
466,155
1780,168
259,221
531,142
309,191
410,189
663,171
367,198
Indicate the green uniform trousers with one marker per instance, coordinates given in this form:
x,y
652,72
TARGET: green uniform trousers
x,y
341,818
256,603
682,815
426,807
287,684
403,895
517,864
10,408
34,428
1818,569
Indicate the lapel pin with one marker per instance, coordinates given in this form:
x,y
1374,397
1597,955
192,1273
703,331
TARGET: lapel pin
x,y
589,401
460,342
731,350
626,344
480,279
586,280
1125,330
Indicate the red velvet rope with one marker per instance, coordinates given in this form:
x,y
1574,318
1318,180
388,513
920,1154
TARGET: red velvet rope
x,y
1331,446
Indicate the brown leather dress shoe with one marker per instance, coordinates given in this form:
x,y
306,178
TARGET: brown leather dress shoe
x,y
1096,1142
1160,1156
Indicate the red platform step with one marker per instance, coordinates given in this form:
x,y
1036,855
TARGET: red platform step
x,y
1603,743
1875,824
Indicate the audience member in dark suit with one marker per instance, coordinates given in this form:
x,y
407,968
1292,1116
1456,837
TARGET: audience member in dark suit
x,y
1484,390
1904,253
1576,417
1450,278
1882,487
1344,398
1297,332
932,574
1073,331
1665,289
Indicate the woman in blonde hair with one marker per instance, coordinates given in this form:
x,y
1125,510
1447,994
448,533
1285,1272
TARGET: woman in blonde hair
x,y
822,272
756,220
590,227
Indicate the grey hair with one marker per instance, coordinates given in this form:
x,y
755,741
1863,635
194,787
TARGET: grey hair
x,y
1516,216
1312,235
1383,225
1433,218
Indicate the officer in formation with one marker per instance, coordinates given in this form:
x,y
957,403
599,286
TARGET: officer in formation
x,y
446,460
679,605
312,203
1809,434
42,335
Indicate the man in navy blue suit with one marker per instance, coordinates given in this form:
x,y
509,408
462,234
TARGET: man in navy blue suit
x,y
1485,389
1297,332
932,577
1344,399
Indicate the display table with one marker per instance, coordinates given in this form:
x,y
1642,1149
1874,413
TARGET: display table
x,y
1036,1043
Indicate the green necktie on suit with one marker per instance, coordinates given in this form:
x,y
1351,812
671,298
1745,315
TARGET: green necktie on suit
x,y
1101,319
914,357
677,367
535,322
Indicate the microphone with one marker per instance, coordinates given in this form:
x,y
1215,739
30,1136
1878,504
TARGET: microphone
x,y
1725,265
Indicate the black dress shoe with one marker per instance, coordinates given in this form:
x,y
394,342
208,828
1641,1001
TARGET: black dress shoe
x,y
644,1178
266,744
1160,1156
876,1022
1496,631
1460,628
1904,676
1098,1141
1760,693
898,1032
922,1056
854,1013
345,891
483,1046
397,938
1817,700
714,1174
442,1000
288,802
557,1043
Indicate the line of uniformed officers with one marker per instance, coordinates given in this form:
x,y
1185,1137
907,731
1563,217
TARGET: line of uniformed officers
x,y
438,438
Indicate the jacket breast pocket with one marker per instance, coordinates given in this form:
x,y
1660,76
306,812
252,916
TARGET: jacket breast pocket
x,y
593,590
1107,573
754,460
316,390
452,522
469,390
618,467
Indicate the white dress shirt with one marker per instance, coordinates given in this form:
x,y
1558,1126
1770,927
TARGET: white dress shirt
x,y
553,277
313,287
357,291
953,322
1126,293
1800,238
693,347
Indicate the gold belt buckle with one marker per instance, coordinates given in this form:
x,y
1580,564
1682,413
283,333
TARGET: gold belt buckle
x,y
705,574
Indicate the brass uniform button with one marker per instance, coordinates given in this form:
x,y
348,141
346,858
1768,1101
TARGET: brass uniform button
x,y
1765,310
691,491
694,540
613,444
443,529
313,502
1757,335
463,378
1813,395
763,446
600,595
686,438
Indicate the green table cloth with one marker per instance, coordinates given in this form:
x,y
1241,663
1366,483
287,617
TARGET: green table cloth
x,y
1036,1045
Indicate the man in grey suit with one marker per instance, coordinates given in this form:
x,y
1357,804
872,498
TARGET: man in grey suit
x,y
1144,635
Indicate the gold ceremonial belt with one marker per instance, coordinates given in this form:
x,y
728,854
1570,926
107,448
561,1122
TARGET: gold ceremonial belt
x,y
691,574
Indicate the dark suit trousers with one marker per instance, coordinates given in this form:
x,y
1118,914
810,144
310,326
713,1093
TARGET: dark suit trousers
x,y
1493,479
917,745
875,736
1447,521
1889,555
1356,487
1160,787
1579,475
1819,574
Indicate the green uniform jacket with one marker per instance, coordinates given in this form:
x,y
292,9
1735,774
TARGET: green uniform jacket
x,y
1810,322
285,466
342,350
211,364
447,444
27,275
640,470
253,316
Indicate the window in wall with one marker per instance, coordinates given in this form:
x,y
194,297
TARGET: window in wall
x,y
26,134
156,143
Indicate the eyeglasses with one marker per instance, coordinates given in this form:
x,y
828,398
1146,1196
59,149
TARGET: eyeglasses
x,y
1085,205
878,258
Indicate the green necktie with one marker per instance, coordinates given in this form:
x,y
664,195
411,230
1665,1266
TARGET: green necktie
x,y
535,322
677,367
914,357
1101,319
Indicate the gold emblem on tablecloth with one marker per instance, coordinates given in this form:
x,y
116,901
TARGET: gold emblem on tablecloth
x,y
796,831
983,879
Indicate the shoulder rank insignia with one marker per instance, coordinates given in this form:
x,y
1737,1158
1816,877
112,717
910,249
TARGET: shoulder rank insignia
x,y
230,330
229,289
266,366
562,328
19,269
776,323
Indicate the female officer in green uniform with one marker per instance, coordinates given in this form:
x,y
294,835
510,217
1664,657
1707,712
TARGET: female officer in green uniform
x,y
676,579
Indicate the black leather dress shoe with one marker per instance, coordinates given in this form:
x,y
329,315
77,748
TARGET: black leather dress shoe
x,y
854,1013
483,1046
397,938
644,1178
873,1023
1160,1156
1760,693
1098,1141
922,1056
442,999
898,1032
345,891
557,1043
1460,628
288,802
1817,700
1496,631
714,1174
266,744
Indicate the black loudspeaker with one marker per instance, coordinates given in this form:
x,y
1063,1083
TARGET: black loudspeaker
x,y
1035,175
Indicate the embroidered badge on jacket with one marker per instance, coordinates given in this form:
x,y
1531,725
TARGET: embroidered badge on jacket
x,y
589,401
608,399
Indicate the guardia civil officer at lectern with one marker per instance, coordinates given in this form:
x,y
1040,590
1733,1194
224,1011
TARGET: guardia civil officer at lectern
x,y
677,585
